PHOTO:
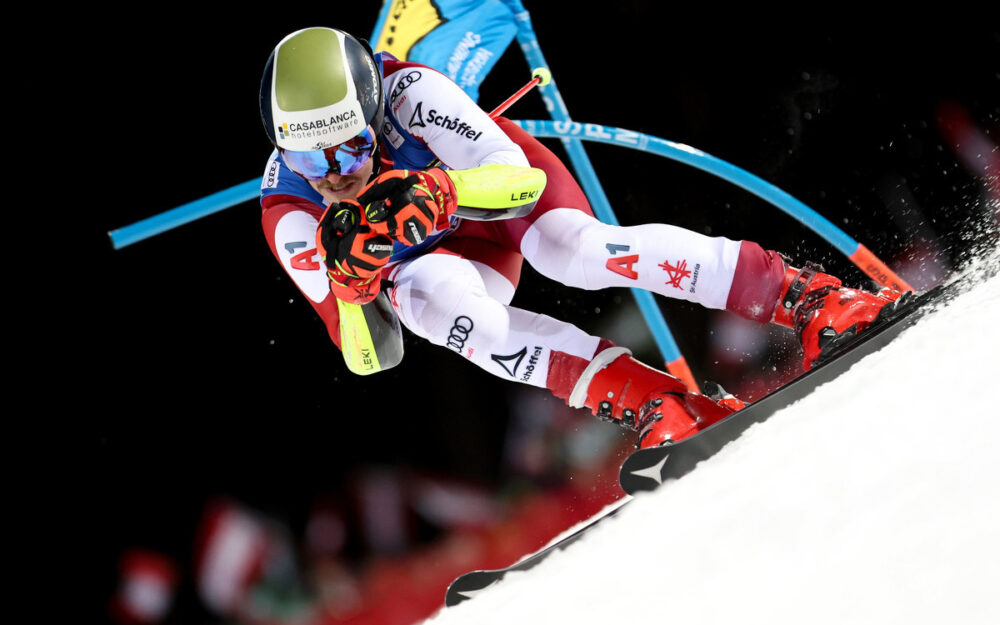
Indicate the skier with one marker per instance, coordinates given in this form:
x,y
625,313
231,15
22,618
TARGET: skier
x,y
373,158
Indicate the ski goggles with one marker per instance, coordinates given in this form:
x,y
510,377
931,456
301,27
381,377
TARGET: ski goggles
x,y
343,159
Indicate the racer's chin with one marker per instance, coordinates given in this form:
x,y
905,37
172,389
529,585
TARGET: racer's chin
x,y
343,187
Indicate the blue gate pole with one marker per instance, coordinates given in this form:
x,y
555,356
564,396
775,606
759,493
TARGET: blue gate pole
x,y
651,312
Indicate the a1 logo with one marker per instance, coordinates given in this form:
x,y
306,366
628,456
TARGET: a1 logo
x,y
303,261
622,265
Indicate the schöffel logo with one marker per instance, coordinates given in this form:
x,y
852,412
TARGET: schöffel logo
x,y
511,362
320,126
531,364
457,125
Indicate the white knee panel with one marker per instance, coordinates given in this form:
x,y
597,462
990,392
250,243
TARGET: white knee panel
x,y
576,249
443,299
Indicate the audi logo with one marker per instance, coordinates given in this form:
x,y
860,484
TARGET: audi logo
x,y
409,79
459,333
403,83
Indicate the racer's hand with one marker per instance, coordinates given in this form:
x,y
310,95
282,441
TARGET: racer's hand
x,y
407,205
353,252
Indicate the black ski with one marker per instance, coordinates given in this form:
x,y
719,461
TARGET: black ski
x,y
646,469
467,585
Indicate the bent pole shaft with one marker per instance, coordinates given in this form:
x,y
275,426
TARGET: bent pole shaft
x,y
670,352
861,256
539,76
168,220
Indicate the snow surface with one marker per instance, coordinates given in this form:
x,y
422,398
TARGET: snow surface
x,y
876,499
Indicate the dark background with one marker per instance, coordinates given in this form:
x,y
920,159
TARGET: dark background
x,y
203,369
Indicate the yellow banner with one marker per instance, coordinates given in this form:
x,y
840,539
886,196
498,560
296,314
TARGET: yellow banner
x,y
408,22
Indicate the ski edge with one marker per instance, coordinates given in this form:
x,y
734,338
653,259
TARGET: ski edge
x,y
467,585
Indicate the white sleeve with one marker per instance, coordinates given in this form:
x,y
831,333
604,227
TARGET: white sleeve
x,y
434,109
295,242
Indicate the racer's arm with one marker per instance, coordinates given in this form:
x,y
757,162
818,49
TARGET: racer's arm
x,y
488,175
438,113
290,229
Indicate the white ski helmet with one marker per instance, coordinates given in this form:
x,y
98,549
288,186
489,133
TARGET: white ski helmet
x,y
321,101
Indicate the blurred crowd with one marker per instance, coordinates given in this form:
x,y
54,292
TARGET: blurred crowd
x,y
385,551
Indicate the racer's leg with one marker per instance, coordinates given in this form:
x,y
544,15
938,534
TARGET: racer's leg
x,y
580,251
444,298
564,241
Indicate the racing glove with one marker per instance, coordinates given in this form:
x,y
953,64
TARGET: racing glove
x,y
354,253
408,205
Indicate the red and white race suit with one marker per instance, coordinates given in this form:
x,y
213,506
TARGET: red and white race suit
x,y
455,289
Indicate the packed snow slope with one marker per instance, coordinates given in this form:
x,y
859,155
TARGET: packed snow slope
x,y
876,499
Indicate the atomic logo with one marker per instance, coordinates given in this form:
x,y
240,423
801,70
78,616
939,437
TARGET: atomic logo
x,y
676,273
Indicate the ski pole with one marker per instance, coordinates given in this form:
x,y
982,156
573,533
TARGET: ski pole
x,y
540,76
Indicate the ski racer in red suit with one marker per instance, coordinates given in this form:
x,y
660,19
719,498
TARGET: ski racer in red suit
x,y
375,155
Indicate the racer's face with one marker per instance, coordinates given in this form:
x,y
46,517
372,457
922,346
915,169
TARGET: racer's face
x,y
336,187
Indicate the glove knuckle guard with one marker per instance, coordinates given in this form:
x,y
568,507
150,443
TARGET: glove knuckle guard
x,y
376,212
364,252
402,205
413,222
336,223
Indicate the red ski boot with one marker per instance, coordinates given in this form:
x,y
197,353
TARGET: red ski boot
x,y
823,313
617,387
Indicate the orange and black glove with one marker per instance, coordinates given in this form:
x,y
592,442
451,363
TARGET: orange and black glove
x,y
353,252
408,205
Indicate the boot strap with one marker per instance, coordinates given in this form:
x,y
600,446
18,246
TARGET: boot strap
x,y
578,397
798,286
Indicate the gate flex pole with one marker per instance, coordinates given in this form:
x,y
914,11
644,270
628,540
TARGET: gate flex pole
x,y
863,258
674,360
